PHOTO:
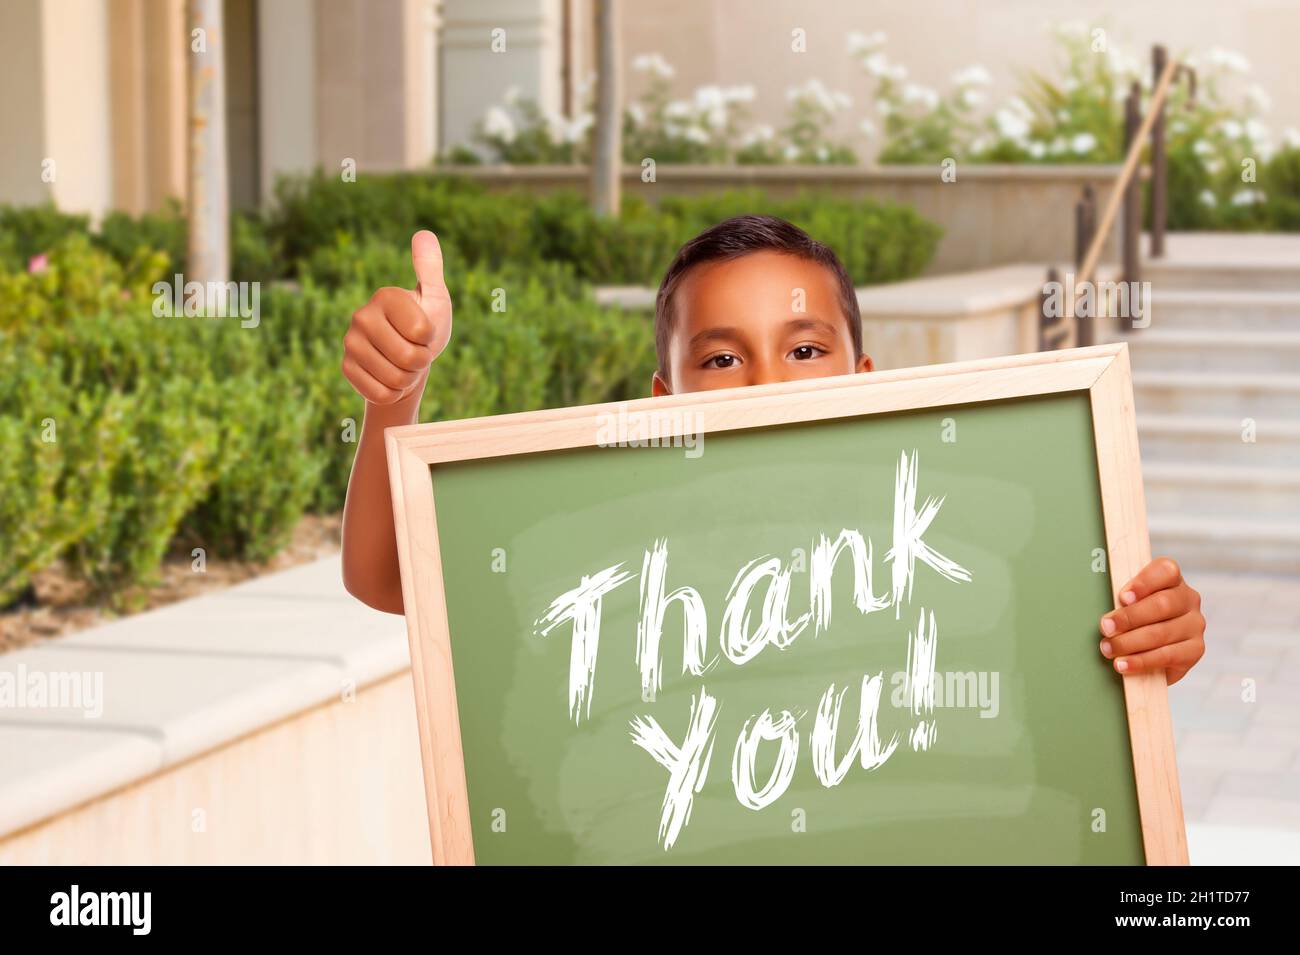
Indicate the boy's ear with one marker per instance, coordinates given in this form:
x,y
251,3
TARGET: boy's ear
x,y
659,387
865,364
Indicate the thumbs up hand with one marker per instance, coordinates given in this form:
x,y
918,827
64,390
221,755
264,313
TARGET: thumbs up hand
x,y
395,336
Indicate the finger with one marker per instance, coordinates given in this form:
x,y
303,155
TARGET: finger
x,y
368,357
1163,633
404,313
1176,657
374,325
366,385
426,257
1161,574
1161,605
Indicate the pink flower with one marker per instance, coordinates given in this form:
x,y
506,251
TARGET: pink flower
x,y
38,264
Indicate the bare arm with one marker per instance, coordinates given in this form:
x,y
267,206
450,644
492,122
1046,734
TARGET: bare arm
x,y
386,356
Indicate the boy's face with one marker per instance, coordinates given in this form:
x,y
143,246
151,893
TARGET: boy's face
x,y
756,319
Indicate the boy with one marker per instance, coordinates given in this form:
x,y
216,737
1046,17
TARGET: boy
x,y
723,319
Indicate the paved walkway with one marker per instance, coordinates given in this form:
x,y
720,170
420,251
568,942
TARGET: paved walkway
x,y
1237,714
1239,761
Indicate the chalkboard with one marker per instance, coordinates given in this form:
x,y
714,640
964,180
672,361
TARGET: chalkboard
x,y
841,622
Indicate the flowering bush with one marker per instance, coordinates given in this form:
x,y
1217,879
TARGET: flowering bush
x,y
1220,153
713,125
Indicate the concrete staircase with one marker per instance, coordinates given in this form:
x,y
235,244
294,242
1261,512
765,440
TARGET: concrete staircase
x,y
1216,380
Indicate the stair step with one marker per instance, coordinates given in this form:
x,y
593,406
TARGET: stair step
x,y
1245,276
1167,348
1255,493
1253,395
1206,308
1227,544
1193,439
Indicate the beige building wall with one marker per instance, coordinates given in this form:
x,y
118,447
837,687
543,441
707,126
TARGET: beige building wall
x,y
749,41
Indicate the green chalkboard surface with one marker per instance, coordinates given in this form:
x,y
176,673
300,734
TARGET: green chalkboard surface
x,y
1008,729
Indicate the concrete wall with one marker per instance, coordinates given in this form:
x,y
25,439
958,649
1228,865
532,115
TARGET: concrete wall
x,y
336,785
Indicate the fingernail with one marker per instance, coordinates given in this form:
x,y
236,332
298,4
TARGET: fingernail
x,y
1107,627
1127,597
1121,665
1106,649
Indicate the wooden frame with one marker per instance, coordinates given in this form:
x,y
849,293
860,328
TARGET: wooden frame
x,y
1102,371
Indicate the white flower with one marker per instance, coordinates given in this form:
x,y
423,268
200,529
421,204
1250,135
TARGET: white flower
x,y
884,107
791,152
1230,60
859,42
677,109
877,64
897,73
979,144
1019,107
914,93
637,112
738,94
1011,125
511,96
761,133
1231,128
1256,131
655,64
1207,198
1291,137
1246,197
557,127
1202,148
695,134
1036,149
823,154
498,125
576,130
1083,143
972,76
1069,84
971,98
815,93
867,127
1259,98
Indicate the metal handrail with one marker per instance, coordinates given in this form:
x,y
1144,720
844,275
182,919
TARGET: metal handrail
x,y
1090,232
1126,173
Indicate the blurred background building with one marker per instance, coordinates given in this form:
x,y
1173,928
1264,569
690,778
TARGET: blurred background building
x,y
390,83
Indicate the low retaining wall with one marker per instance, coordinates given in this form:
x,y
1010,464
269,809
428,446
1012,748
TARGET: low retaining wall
x,y
272,722
991,215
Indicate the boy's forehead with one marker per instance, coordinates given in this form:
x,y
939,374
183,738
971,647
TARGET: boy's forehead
x,y
767,282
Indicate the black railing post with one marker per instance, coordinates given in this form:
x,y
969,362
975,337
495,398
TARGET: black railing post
x,y
1051,328
1132,219
1159,163
1085,227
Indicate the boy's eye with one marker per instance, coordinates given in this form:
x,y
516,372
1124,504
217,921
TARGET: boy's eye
x,y
806,352
722,361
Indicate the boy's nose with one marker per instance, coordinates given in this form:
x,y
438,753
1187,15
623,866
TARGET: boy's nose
x,y
764,371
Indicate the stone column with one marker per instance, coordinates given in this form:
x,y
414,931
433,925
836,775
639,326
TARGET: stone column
x,y
489,46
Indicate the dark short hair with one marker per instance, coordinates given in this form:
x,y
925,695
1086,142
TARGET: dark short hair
x,y
743,235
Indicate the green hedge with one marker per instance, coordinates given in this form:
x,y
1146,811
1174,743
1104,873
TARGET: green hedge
x,y
129,434
879,242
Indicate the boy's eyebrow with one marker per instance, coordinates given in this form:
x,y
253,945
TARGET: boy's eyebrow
x,y
810,325
724,333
